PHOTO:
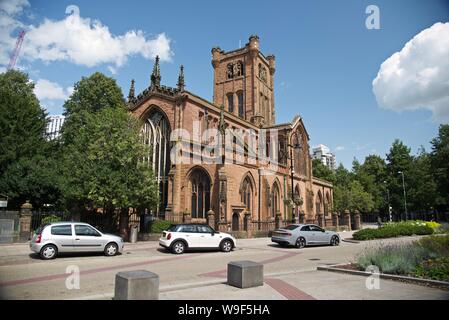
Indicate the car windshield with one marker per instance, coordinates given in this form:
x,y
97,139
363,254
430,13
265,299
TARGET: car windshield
x,y
172,228
291,227
41,228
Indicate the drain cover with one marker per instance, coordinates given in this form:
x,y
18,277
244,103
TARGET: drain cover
x,y
314,259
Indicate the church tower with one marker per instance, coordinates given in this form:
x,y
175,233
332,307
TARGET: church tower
x,y
244,82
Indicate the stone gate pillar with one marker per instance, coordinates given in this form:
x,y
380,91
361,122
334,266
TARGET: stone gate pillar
x,y
186,217
335,219
347,218
357,220
25,221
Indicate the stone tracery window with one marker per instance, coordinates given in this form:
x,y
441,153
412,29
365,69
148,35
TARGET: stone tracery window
x,y
246,193
274,200
155,133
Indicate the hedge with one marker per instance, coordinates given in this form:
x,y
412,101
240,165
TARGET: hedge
x,y
392,230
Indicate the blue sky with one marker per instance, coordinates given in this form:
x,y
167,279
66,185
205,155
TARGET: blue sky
x,y
326,58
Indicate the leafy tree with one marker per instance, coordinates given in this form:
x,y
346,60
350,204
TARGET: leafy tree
x,y
439,161
27,166
423,193
371,175
103,165
319,170
91,95
398,159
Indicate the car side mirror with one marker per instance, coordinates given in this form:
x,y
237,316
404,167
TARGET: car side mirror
x,y
212,233
322,230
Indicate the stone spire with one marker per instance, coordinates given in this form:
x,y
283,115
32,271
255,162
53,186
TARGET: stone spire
x,y
131,95
156,75
181,82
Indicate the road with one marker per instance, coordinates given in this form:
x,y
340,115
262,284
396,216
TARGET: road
x,y
289,273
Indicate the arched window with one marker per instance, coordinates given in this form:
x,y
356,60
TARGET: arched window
x,y
241,107
274,200
319,203
230,71
200,193
247,193
155,133
230,102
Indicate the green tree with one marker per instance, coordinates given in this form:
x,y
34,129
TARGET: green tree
x,y
399,159
371,175
103,165
439,161
90,95
423,192
27,166
319,170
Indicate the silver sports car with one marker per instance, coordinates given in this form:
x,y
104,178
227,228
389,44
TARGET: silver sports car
x,y
301,235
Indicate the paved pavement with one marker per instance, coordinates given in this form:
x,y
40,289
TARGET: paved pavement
x,y
289,273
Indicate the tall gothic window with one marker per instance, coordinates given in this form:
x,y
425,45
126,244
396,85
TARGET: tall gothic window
x,y
241,107
274,200
247,193
230,102
155,133
200,193
319,203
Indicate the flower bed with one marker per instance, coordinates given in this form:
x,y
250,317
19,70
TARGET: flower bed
x,y
396,229
425,258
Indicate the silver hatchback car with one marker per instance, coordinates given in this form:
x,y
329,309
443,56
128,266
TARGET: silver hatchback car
x,y
301,235
59,237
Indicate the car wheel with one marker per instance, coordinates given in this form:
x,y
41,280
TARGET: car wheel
x,y
226,245
178,247
300,243
335,241
48,252
111,249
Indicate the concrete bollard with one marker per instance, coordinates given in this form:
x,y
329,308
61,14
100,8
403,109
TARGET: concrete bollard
x,y
245,274
136,285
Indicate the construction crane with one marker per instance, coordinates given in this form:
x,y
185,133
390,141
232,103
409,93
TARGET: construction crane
x,y
15,53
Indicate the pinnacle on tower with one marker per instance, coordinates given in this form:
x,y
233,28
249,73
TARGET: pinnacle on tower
x,y
156,75
181,82
131,95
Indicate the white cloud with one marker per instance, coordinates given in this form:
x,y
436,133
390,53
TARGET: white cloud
x,y
339,148
78,40
417,77
47,90
12,7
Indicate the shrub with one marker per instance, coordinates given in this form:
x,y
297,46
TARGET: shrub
x,y
160,225
433,269
395,229
392,258
427,257
50,218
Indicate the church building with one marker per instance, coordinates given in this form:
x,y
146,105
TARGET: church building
x,y
227,162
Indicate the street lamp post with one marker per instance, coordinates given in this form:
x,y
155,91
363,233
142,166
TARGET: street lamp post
x,y
297,146
405,195
388,200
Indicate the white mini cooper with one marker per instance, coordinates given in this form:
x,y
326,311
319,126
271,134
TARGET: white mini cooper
x,y
181,237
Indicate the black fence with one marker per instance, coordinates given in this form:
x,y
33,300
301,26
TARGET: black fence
x,y
101,221
39,218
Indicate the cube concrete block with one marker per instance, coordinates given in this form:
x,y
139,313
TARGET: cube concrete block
x,y
136,285
245,274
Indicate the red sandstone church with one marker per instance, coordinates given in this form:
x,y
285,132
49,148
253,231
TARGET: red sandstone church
x,y
244,181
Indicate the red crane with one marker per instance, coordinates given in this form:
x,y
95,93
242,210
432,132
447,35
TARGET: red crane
x,y
15,53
